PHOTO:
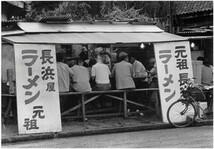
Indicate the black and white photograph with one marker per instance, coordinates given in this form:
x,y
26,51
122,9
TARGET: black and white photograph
x,y
107,74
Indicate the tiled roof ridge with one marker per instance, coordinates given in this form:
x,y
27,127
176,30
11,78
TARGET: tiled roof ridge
x,y
185,7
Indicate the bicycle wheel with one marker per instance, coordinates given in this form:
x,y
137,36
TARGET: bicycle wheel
x,y
181,113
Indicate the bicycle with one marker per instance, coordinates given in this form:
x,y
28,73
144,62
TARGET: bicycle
x,y
183,112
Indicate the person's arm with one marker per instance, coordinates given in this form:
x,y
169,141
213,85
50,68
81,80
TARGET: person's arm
x,y
113,71
144,72
109,73
93,73
71,74
131,70
153,71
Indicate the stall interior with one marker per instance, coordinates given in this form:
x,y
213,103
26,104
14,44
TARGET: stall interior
x,y
99,103
86,55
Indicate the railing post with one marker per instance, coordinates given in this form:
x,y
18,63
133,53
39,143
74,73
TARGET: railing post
x,y
124,104
83,107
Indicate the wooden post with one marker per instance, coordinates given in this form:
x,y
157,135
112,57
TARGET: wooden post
x,y
125,104
83,107
11,80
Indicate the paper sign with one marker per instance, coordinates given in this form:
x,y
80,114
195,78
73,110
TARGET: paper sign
x,y
37,89
174,67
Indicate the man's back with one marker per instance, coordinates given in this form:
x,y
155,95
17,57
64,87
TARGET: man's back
x,y
207,75
64,73
101,73
123,73
80,78
139,69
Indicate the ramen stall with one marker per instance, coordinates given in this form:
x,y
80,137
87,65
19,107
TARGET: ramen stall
x,y
35,47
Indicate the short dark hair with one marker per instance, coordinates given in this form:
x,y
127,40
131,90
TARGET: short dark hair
x,y
123,57
132,56
200,58
92,62
59,57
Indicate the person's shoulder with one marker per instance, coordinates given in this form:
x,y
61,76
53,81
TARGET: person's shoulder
x,y
128,64
82,67
138,62
62,64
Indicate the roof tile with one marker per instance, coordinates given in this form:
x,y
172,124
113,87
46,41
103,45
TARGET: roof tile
x,y
185,7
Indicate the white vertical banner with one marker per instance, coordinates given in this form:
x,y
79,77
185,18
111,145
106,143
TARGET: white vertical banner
x,y
174,67
37,89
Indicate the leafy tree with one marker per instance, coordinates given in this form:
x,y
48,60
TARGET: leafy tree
x,y
76,10
98,10
35,9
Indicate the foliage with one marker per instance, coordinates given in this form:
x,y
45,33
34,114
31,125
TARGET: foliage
x,y
76,10
99,10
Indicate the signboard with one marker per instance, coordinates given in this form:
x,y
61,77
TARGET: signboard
x,y
37,89
174,67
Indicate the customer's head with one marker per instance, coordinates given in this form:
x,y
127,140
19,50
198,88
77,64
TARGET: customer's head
x,y
200,58
132,58
123,56
59,57
92,62
152,61
72,63
204,60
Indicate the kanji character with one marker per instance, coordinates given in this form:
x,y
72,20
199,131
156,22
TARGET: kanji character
x,y
46,56
183,78
50,86
31,55
165,54
47,73
182,64
30,124
168,80
28,93
32,82
180,53
38,112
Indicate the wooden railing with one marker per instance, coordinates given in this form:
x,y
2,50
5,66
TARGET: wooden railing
x,y
96,94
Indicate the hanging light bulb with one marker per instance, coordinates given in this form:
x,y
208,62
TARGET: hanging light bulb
x,y
192,45
142,45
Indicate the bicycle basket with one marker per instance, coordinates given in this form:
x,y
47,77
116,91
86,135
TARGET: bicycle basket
x,y
197,94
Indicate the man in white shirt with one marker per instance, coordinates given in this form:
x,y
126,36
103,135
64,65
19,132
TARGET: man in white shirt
x,y
100,73
139,69
139,72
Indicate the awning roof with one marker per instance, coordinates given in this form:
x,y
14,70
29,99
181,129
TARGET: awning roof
x,y
89,38
14,32
35,27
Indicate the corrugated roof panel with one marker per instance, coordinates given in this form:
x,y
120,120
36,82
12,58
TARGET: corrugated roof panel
x,y
14,32
34,27
90,38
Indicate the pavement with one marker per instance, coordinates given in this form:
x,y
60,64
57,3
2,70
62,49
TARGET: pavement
x,y
93,126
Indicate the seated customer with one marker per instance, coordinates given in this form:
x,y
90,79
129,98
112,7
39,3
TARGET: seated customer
x,y
139,69
100,73
207,72
153,83
80,78
139,72
63,73
123,72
